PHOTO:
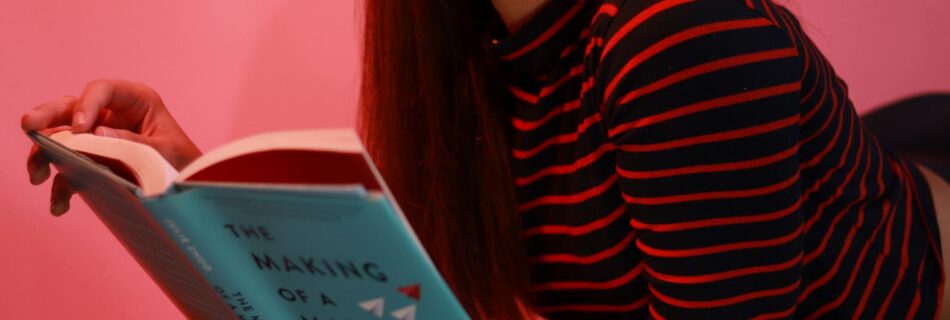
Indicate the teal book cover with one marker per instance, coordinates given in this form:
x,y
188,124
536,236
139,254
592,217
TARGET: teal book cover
x,y
293,253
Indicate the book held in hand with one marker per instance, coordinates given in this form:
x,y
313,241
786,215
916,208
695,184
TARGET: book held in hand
x,y
286,225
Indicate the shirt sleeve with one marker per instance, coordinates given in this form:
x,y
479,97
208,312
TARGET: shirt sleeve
x,y
701,101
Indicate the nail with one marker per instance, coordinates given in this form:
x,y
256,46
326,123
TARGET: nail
x,y
32,168
107,132
58,208
79,119
38,174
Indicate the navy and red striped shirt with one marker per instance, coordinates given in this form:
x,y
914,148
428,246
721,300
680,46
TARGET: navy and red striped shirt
x,y
701,159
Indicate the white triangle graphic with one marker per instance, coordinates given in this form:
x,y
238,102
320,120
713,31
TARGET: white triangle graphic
x,y
406,313
374,306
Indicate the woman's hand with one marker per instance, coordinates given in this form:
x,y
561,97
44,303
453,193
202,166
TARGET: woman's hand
x,y
110,108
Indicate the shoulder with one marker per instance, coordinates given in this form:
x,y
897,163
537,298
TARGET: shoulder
x,y
650,39
671,10
646,22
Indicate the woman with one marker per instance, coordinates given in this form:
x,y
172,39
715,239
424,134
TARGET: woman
x,y
615,159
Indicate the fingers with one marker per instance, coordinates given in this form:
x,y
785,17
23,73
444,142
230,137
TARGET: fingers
x,y
130,99
50,114
104,131
60,195
37,166
117,95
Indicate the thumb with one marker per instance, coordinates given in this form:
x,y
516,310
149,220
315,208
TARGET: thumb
x,y
103,131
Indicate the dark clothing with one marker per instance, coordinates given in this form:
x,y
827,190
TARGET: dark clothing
x,y
917,128
701,159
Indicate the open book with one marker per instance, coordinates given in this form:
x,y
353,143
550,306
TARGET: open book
x,y
286,225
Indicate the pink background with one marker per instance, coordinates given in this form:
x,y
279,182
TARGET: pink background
x,y
230,68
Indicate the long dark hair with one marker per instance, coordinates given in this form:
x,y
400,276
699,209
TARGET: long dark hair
x,y
433,119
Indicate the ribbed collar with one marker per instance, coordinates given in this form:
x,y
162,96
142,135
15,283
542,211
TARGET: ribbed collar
x,y
536,46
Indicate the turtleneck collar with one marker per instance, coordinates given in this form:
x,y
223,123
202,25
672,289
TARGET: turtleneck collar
x,y
534,48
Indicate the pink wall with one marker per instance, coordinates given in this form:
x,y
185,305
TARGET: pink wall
x,y
229,68
225,69
884,50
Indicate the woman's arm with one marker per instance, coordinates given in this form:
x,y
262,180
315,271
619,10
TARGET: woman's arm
x,y
701,102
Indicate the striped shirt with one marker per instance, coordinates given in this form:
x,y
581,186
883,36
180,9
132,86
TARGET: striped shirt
x,y
701,159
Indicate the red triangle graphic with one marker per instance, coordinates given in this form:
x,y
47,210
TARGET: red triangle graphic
x,y
412,291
